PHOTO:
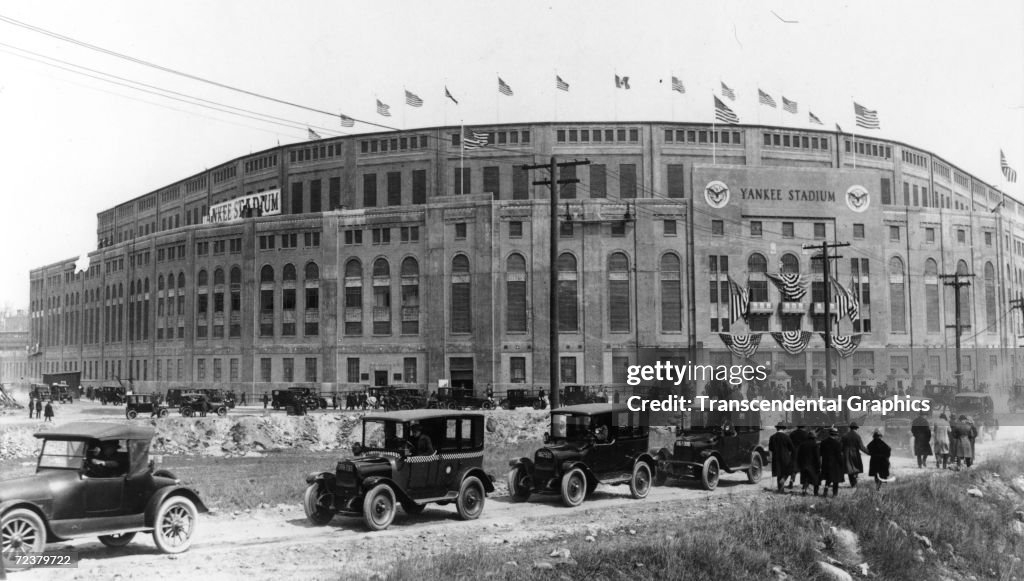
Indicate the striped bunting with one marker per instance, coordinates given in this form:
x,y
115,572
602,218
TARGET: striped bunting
x,y
866,118
792,286
845,345
793,342
739,301
742,345
846,303
724,113
765,98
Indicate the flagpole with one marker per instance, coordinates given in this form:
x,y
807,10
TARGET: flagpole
x,y
444,112
714,120
497,102
854,133
462,156
404,96
556,94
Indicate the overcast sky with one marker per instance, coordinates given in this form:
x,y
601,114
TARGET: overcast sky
x,y
944,76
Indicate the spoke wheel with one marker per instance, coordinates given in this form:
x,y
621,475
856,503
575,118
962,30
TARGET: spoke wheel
x,y
640,483
709,474
23,533
574,488
317,503
175,523
379,507
117,540
756,468
471,498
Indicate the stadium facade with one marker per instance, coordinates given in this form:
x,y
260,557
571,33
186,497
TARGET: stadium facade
x,y
405,258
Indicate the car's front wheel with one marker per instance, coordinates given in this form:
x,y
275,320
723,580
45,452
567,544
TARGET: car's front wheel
x,y
317,502
175,523
756,468
23,533
640,483
519,484
132,414
117,540
709,474
574,488
187,412
163,413
472,496
379,507
222,411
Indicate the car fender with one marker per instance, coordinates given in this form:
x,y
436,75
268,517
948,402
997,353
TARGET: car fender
x,y
479,473
14,503
650,459
661,454
372,481
764,454
526,463
320,477
158,498
571,464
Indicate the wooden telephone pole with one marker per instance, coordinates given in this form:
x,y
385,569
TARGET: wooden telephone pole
x,y
825,257
953,280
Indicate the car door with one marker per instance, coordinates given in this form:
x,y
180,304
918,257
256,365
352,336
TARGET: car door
x,y
422,481
104,492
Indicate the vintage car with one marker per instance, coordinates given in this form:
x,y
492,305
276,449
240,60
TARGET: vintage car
x,y
589,444
980,408
62,392
941,394
455,398
310,398
113,494
410,398
111,394
191,403
898,433
710,442
144,403
390,468
517,398
580,394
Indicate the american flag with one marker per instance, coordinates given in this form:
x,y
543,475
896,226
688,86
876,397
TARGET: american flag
x,y
866,118
743,345
621,82
473,139
677,85
1008,172
846,303
727,92
724,113
412,100
347,121
793,342
814,118
503,88
788,105
845,345
313,134
765,98
739,301
383,109
448,94
560,84
790,285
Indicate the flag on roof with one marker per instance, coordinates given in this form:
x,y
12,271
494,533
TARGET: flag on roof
x,y
814,118
724,113
727,92
1008,172
473,139
677,85
448,94
765,98
866,118
621,82
347,121
788,105
383,109
503,88
560,84
412,100
313,134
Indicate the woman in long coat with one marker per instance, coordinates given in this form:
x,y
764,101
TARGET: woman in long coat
x,y
922,439
879,465
782,450
967,435
832,464
941,439
808,462
852,447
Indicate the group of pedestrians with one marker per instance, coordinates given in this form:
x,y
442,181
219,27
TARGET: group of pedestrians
x,y
36,407
950,440
822,457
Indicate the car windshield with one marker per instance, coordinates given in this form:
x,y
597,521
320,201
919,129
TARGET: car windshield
x,y
62,454
570,427
698,421
383,435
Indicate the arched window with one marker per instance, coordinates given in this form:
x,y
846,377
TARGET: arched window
x,y
353,297
790,264
218,276
619,318
515,294
990,298
461,311
933,323
757,267
218,303
311,281
267,275
202,304
897,296
181,280
410,296
671,294
568,294
312,272
202,279
289,273
381,297
160,283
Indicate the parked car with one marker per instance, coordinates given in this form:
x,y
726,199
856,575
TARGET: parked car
x,y
144,403
390,467
191,403
455,398
709,442
517,398
112,394
580,394
588,444
62,392
980,408
96,479
410,398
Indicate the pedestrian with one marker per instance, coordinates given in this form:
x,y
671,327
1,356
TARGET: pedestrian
x,y
204,406
334,400
782,450
808,463
879,464
242,400
39,409
832,462
797,437
49,411
31,407
941,439
968,435
852,446
922,433
265,400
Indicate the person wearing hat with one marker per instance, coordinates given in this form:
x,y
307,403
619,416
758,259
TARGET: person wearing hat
x,y
421,443
798,436
832,464
102,459
782,450
808,463
879,465
941,439
922,433
852,447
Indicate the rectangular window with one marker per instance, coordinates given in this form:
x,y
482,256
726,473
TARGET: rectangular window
x,y
787,230
858,231
200,369
297,198
627,180
819,230
515,229
311,375
717,228
288,369
419,186
314,196
567,370
669,227
370,190
520,184
598,181
676,179
618,229
460,231
462,181
565,230
394,188
334,193
894,233
988,239
492,181
352,375
961,236
929,235
755,229
265,369
517,369
409,374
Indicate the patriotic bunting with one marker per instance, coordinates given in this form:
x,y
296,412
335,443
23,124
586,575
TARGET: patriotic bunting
x,y
793,342
792,286
739,301
742,345
845,345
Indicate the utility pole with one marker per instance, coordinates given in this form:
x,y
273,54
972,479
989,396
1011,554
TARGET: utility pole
x,y
1017,303
553,182
825,258
956,283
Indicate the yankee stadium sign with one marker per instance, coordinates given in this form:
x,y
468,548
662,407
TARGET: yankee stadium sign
x,y
773,194
250,206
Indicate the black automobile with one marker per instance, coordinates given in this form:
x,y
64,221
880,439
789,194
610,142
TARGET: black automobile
x,y
709,442
144,403
111,394
391,467
455,398
410,398
588,444
96,479
979,407
193,403
580,394
518,398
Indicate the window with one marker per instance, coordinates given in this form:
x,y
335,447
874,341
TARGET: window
x,y
567,370
515,229
676,179
858,231
297,198
492,181
627,180
410,296
755,229
894,233
381,297
311,239
353,297
311,368
289,240
931,296
598,180
460,231
618,229
565,229
990,298
515,294
619,293
419,186
461,305
717,228
352,370
267,242
671,294
819,230
790,264
288,369
787,230
988,239
929,235
669,227
462,181
520,184
567,190
409,374
517,369
394,188
897,296
370,190
353,236
568,294
961,236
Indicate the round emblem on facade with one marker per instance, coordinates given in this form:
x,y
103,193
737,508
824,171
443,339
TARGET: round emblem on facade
x,y
858,198
716,194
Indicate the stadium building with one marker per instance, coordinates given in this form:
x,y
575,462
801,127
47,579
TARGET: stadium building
x,y
407,258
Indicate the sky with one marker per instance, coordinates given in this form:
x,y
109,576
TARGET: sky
x,y
944,76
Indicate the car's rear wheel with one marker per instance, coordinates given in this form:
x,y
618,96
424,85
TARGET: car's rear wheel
x,y
187,412
317,502
411,507
471,498
23,533
709,474
117,540
756,468
379,507
538,405
519,484
163,413
574,488
640,483
222,411
174,525
132,414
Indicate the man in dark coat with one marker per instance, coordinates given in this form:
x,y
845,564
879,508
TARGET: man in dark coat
x,y
49,411
832,464
808,462
39,409
782,450
797,436
852,446
265,400
879,465
922,433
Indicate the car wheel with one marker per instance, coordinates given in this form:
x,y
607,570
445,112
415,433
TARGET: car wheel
x,y
23,533
472,496
405,406
379,507
222,411
117,540
411,507
163,413
132,414
709,474
756,467
538,405
317,502
640,483
186,412
574,488
487,405
519,484
174,525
